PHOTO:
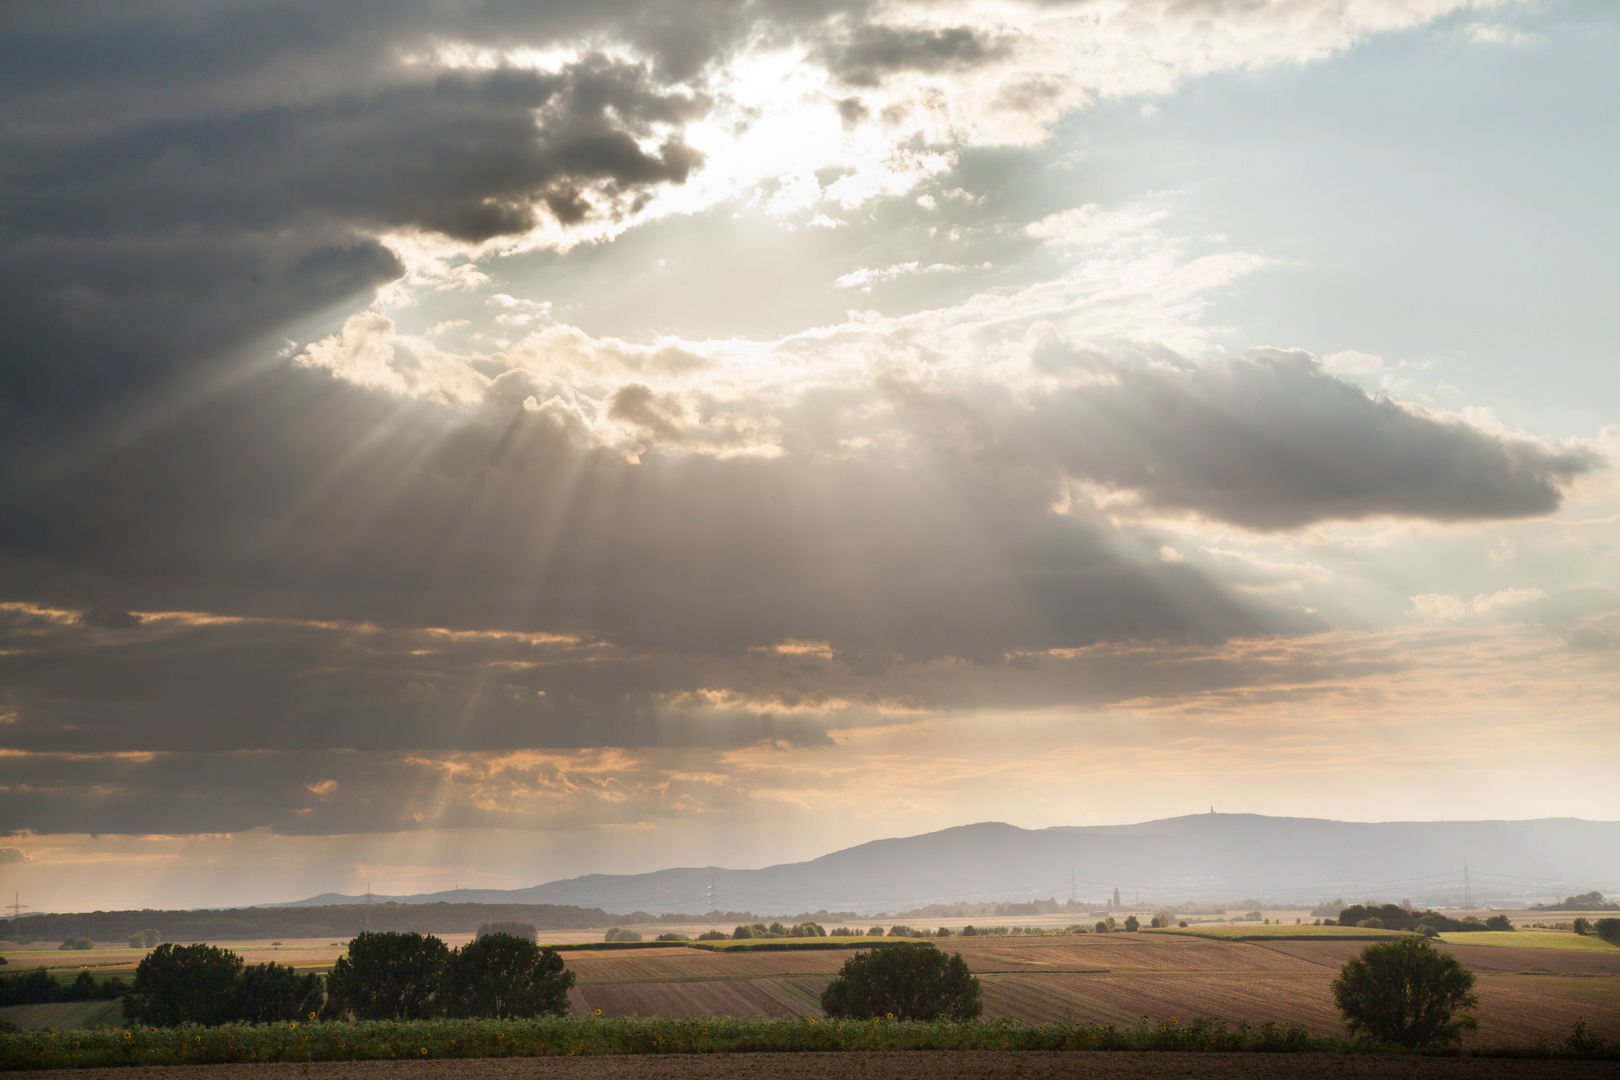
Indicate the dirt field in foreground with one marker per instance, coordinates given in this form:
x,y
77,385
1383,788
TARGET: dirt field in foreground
x,y
984,1065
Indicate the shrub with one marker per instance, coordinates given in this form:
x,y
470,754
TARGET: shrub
x,y
943,931
1373,923
616,934
1406,992
1132,924
1608,930
266,993
807,929
1162,919
77,943
843,931
742,933
712,935
902,931
874,931
185,984
1581,925
501,975
523,930
1499,922
84,988
1101,927
146,939
673,937
910,981
1183,923
389,976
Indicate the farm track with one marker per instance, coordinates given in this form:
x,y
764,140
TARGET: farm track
x,y
913,1065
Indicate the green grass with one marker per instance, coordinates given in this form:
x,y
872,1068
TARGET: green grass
x,y
64,1015
1530,939
1280,933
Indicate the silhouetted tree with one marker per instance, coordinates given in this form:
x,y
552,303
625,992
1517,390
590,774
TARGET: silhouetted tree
x,y
389,976
185,984
1406,992
266,993
910,981
500,975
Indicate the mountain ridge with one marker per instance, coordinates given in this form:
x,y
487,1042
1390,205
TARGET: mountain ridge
x,y
1199,857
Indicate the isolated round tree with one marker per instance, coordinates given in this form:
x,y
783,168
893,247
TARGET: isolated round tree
x,y
911,981
1406,992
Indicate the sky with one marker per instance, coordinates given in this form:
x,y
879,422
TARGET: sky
x,y
474,443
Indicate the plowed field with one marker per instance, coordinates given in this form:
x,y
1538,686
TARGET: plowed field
x,y
1525,994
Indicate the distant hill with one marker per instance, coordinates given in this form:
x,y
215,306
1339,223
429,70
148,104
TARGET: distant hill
x,y
1202,857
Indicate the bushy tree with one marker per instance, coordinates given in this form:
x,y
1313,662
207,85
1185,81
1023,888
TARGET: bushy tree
x,y
1608,930
389,976
1407,992
185,984
1499,922
500,975
267,993
910,981
1132,924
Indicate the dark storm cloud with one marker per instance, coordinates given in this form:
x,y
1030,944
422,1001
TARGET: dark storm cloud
x,y
177,183
871,52
1272,441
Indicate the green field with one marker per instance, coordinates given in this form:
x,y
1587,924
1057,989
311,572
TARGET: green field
x,y
65,1015
1282,933
1530,939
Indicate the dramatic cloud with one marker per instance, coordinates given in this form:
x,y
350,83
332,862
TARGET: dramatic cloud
x,y
445,418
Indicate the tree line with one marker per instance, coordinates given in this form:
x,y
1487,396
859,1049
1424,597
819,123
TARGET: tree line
x,y
383,976
335,921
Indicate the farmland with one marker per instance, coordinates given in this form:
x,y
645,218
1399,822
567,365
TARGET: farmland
x,y
1527,992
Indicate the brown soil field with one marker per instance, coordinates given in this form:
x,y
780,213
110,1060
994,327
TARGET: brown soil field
x,y
1115,979
917,1065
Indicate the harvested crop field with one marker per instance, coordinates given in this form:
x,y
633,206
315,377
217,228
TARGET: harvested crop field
x,y
916,1065
1525,994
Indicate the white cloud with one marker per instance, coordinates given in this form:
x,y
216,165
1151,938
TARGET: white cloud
x,y
1351,362
1499,34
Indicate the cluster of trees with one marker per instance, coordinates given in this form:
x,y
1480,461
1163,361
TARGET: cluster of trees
x,y
145,939
1587,901
523,930
384,976
1395,917
616,934
1607,929
331,922
413,977
204,984
778,930
40,987
76,943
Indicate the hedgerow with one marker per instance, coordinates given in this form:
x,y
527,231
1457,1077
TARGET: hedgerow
x,y
384,1040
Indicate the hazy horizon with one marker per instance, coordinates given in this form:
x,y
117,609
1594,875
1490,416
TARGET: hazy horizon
x,y
478,444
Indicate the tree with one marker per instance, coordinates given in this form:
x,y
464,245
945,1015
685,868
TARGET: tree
x,y
501,975
144,939
1406,992
1608,930
389,976
1132,924
186,984
270,992
910,981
